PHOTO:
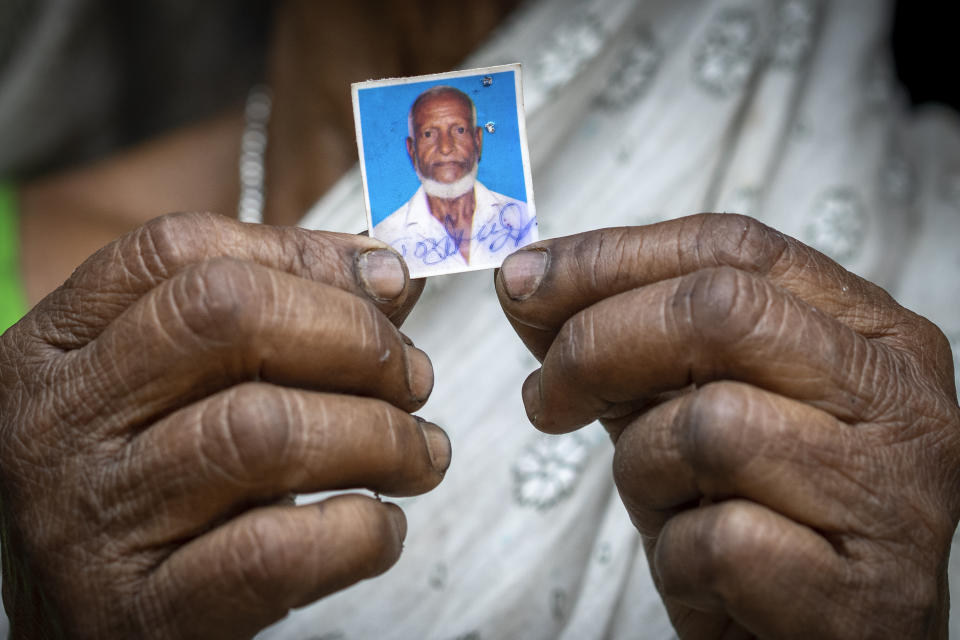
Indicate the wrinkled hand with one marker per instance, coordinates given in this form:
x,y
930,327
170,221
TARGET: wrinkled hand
x,y
159,407
786,435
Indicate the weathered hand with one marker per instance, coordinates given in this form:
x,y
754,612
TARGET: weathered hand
x,y
159,407
787,437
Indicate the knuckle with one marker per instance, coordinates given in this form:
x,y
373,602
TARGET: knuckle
x,y
932,336
263,560
721,305
933,341
606,256
397,439
713,425
217,299
739,241
636,479
162,244
249,433
726,544
376,338
324,256
577,346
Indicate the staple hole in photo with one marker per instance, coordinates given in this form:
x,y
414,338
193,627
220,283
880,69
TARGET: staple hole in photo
x,y
446,168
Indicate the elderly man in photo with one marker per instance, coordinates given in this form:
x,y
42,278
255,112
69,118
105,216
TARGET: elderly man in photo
x,y
452,222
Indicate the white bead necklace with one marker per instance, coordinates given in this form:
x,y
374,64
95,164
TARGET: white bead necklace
x,y
253,148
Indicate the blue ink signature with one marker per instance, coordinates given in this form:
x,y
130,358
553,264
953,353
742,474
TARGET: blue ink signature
x,y
435,250
509,228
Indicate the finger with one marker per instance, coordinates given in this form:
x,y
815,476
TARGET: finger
x,y
714,324
256,441
776,578
543,285
248,573
730,439
224,322
120,273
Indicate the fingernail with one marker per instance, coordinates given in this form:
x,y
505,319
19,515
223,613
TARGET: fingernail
x,y
398,520
531,396
381,273
523,271
438,445
419,374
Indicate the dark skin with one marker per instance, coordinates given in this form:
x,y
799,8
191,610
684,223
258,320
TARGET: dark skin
x,y
445,147
186,396
786,435
244,364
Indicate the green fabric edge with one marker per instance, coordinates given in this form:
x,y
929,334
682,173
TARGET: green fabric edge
x,y
13,302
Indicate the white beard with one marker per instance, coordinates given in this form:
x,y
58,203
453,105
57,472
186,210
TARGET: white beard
x,y
449,190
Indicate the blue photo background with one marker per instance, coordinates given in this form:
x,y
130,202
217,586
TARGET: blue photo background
x,y
391,180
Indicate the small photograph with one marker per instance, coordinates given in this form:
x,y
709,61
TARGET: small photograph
x,y
445,166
